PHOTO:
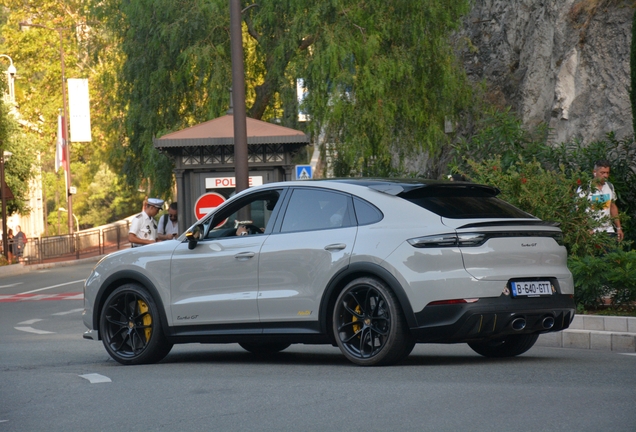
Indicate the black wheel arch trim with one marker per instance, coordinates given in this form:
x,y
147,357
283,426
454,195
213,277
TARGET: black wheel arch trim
x,y
120,278
362,269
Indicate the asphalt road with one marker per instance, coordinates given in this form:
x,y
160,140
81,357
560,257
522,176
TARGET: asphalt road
x,y
51,379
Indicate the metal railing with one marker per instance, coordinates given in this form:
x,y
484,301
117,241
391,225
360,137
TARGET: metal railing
x,y
82,244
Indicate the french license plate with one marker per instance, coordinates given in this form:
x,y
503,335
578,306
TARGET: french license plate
x,y
531,288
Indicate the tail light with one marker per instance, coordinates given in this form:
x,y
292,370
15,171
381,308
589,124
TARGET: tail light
x,y
448,240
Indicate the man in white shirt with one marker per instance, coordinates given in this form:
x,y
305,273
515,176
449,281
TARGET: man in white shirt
x,y
143,228
168,227
603,198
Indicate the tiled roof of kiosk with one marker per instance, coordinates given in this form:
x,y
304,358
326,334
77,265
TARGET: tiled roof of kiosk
x,y
220,131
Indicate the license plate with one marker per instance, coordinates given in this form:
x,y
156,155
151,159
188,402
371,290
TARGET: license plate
x,y
531,288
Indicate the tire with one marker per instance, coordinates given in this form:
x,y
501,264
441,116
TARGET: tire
x,y
369,325
264,348
130,327
509,346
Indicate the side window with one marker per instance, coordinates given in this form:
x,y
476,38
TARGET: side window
x,y
250,215
313,209
366,213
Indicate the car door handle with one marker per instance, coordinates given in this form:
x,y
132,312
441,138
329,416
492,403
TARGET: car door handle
x,y
335,247
243,256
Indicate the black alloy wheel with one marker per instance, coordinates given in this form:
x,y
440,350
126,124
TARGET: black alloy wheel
x,y
368,324
130,327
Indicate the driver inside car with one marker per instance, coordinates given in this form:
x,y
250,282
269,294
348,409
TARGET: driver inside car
x,y
242,228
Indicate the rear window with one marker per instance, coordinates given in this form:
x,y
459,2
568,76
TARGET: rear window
x,y
463,202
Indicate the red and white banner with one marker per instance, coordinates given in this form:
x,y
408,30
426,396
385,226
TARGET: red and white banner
x,y
60,145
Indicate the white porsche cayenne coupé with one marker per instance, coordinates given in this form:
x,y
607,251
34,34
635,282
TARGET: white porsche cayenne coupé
x,y
370,266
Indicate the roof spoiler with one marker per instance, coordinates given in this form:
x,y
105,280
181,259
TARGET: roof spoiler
x,y
397,189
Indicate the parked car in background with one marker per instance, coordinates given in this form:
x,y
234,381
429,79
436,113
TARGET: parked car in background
x,y
372,266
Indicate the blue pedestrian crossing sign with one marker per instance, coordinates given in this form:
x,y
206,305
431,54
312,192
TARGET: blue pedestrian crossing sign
x,y
303,172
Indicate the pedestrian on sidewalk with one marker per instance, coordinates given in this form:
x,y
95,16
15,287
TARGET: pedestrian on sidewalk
x,y
603,199
19,243
168,227
143,229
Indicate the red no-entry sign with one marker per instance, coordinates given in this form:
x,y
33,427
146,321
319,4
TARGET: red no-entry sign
x,y
206,203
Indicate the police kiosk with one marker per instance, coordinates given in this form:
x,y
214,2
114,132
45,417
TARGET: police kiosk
x,y
203,158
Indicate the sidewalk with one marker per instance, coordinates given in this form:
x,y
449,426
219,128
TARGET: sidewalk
x,y
596,332
18,269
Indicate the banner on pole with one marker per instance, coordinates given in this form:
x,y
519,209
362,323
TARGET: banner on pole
x,y
79,110
60,150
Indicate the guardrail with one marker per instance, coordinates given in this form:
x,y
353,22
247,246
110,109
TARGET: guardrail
x,y
82,244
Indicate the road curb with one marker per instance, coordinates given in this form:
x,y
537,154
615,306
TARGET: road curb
x,y
595,332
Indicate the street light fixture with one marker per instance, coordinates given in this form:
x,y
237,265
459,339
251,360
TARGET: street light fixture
x,y
69,196
4,156
11,71
62,209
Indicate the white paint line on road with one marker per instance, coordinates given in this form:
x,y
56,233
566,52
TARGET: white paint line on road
x,y
96,378
54,286
72,311
32,330
629,354
11,285
31,321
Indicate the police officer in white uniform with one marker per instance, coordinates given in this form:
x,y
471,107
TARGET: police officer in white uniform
x,y
143,229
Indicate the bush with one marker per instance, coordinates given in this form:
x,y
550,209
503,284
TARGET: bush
x,y
607,277
549,195
621,155
498,155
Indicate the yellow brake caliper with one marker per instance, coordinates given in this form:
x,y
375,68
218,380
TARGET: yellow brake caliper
x,y
143,308
356,327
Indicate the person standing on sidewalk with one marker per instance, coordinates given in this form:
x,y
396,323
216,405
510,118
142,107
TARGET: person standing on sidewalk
x,y
143,229
168,224
19,243
603,198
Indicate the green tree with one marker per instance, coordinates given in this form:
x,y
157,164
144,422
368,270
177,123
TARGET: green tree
x,y
19,168
88,53
381,75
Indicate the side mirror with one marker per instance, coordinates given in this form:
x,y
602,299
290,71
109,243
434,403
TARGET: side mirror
x,y
194,236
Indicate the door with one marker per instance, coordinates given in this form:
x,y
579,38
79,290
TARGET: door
x,y
312,243
217,281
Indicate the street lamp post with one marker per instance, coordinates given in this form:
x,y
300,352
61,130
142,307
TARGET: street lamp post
x,y
11,71
241,166
69,197
5,155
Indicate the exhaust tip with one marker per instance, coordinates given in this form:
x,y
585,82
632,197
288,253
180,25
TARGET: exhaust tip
x,y
518,324
548,322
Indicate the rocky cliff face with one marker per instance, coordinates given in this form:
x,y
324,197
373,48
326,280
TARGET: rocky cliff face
x,y
561,62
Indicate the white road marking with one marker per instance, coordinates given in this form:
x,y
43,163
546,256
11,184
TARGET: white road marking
x,y
630,354
96,378
68,312
32,330
32,321
54,286
11,285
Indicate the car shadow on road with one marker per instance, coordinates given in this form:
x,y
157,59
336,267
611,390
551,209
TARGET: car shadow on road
x,y
335,358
